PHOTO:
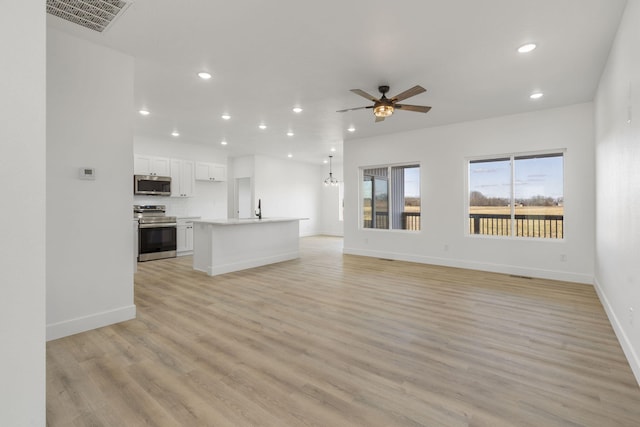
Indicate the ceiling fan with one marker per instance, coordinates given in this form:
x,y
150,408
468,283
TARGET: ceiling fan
x,y
384,107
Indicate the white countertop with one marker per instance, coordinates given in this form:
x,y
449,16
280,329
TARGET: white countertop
x,y
236,221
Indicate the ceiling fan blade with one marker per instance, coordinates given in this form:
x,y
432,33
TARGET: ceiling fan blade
x,y
408,93
365,95
351,109
379,119
417,108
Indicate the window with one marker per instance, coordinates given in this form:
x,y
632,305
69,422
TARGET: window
x,y
519,195
391,197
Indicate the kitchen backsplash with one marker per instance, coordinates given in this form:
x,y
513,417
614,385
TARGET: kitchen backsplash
x,y
209,201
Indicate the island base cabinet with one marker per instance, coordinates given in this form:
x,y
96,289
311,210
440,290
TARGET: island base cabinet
x,y
220,249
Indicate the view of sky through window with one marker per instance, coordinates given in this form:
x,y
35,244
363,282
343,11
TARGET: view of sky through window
x,y
534,176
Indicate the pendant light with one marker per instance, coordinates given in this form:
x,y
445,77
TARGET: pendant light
x,y
330,180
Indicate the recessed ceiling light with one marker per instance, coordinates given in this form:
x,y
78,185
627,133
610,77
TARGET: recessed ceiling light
x,y
333,150
204,75
175,133
290,133
262,126
526,48
223,142
144,112
325,161
289,155
297,110
225,117
351,129
536,95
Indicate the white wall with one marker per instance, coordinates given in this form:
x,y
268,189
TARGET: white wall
x,y
442,153
89,223
289,189
22,252
209,199
617,269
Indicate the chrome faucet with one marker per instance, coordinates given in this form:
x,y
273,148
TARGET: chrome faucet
x,y
259,211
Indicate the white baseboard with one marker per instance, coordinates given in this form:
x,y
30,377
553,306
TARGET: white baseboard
x,y
92,321
475,265
623,339
326,233
250,263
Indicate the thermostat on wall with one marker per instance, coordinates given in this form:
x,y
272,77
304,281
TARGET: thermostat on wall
x,y
87,173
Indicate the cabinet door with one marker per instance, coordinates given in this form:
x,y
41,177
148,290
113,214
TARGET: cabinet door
x,y
176,178
160,166
186,179
189,237
210,172
148,165
181,238
142,165
219,172
202,171
181,178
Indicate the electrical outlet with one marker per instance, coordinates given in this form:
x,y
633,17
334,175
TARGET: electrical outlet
x,y
563,257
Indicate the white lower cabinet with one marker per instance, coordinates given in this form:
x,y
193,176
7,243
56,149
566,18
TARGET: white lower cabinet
x,y
184,236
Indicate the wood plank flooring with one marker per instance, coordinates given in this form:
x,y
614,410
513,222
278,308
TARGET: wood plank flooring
x,y
339,340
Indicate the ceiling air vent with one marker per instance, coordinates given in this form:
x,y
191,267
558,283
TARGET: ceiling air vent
x,y
96,15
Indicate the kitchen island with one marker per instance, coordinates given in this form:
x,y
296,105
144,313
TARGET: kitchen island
x,y
225,245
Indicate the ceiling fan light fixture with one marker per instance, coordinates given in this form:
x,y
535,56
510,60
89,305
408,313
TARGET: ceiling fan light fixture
x,y
383,110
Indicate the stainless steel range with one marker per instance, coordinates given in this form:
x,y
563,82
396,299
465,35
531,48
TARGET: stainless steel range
x,y
156,232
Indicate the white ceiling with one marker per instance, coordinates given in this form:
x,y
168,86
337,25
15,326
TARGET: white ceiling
x,y
268,56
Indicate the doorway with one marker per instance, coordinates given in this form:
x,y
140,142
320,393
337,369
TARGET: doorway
x,y
243,197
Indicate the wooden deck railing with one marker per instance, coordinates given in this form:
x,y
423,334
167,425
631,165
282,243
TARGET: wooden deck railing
x,y
545,226
410,221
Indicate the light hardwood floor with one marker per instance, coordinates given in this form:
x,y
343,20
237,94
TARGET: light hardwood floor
x,y
339,340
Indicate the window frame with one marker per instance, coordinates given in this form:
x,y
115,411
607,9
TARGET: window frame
x,y
389,167
512,157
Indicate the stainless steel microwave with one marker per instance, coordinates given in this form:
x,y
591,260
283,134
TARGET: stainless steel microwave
x,y
152,185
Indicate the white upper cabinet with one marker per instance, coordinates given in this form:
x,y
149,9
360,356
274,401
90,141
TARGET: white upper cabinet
x,y
182,178
148,165
210,172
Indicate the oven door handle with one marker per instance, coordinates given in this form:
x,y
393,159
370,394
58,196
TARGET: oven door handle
x,y
159,225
